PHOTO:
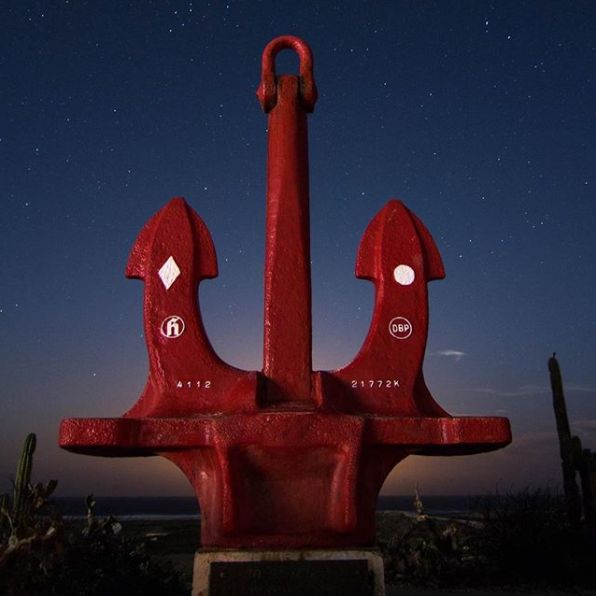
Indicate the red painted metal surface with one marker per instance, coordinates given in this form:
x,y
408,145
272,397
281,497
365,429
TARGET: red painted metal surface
x,y
287,342
285,457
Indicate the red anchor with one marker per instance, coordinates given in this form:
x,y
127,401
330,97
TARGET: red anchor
x,y
285,457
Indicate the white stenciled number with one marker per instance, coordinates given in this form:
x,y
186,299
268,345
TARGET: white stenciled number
x,y
194,384
375,383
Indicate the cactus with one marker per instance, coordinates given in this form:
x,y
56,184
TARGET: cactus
x,y
586,466
419,506
4,527
20,527
40,554
567,444
21,502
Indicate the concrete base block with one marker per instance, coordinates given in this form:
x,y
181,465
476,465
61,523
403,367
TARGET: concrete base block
x,y
288,573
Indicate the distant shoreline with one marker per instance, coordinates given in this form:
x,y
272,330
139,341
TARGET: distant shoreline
x,y
156,508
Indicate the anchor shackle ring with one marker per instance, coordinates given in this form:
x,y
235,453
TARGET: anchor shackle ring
x,y
267,90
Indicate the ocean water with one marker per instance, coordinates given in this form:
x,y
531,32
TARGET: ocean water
x,y
186,507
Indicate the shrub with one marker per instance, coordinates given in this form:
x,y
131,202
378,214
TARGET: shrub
x,y
515,539
42,556
527,538
425,550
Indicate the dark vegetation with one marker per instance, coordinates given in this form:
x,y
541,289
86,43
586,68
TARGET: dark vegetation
x,y
42,555
535,538
528,538
514,540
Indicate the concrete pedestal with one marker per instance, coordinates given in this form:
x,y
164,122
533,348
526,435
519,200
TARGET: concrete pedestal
x,y
288,573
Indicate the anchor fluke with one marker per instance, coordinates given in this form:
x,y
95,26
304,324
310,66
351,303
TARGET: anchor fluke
x,y
165,229
172,254
398,254
385,231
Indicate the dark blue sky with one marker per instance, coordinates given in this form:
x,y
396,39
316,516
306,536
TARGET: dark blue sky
x,y
479,116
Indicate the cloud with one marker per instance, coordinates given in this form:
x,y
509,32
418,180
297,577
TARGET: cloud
x,y
529,390
579,389
522,391
538,439
584,425
457,354
545,442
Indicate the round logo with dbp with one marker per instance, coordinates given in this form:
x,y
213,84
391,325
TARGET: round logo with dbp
x,y
400,328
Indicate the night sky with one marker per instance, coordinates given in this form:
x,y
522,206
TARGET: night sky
x,y
479,116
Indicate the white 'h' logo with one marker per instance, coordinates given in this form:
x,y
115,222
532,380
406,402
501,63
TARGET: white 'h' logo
x,y
172,326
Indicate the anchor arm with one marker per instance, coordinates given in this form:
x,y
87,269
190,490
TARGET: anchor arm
x,y
399,256
172,254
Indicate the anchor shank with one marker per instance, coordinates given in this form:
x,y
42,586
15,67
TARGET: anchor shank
x,y
287,335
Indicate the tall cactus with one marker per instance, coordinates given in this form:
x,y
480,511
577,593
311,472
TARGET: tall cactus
x,y
4,524
568,462
22,483
587,474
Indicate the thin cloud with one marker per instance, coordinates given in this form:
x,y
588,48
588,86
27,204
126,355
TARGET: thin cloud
x,y
539,439
585,425
457,354
579,389
522,391
529,390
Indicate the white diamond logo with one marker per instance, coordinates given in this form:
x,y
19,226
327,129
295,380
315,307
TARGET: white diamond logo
x,y
169,272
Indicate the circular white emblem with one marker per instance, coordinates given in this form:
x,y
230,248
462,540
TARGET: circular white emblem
x,y
400,328
172,326
404,275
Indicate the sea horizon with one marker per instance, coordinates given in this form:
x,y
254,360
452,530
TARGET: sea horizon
x,y
172,507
